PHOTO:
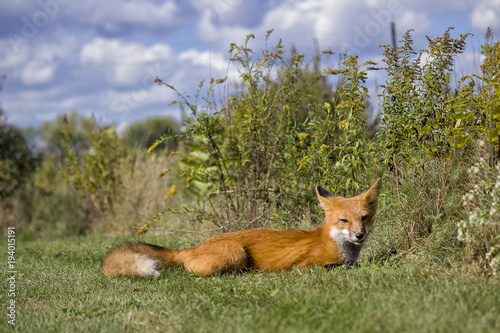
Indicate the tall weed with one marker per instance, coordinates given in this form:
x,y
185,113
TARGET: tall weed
x,y
255,160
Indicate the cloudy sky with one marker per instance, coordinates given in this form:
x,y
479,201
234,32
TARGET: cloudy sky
x,y
101,57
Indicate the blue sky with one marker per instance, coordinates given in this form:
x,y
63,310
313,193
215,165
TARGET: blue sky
x,y
100,57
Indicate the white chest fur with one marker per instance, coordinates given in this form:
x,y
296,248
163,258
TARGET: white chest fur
x,y
350,250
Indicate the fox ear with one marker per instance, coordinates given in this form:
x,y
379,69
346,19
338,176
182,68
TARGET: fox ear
x,y
323,196
323,193
371,195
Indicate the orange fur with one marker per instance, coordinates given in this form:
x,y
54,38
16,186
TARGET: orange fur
x,y
348,221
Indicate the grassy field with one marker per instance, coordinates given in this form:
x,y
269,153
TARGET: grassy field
x,y
59,289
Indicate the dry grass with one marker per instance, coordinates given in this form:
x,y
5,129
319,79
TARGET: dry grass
x,y
146,195
143,195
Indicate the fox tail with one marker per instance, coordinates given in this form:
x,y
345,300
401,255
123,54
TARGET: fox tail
x,y
139,260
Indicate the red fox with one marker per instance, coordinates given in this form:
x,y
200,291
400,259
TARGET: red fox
x,y
348,222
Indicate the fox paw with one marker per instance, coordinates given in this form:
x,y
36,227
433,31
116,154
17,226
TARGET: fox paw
x,y
332,265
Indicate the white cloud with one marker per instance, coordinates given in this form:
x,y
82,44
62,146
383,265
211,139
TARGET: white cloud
x,y
11,60
35,105
205,59
204,65
486,13
114,15
342,24
419,21
125,63
128,70
102,50
433,6
38,71
37,64
40,65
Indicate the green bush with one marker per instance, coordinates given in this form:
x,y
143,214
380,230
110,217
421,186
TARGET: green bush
x,y
255,159
419,118
17,161
94,172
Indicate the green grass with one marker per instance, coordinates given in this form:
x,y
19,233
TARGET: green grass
x,y
59,289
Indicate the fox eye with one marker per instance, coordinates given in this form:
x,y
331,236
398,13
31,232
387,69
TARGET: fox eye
x,y
344,221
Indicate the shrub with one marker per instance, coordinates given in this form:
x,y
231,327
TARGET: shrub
x,y
418,116
255,159
94,172
17,161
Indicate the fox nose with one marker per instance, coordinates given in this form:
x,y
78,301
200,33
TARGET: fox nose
x,y
360,235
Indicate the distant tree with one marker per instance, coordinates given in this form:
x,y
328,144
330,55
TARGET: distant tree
x,y
52,133
145,133
17,161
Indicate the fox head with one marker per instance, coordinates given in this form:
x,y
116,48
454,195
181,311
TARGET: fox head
x,y
349,219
